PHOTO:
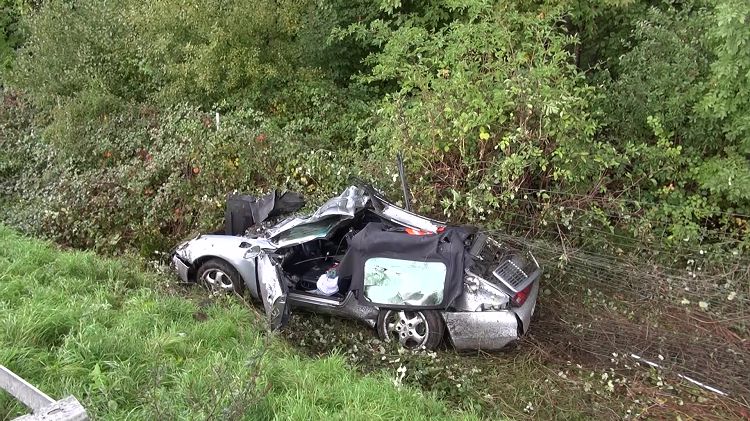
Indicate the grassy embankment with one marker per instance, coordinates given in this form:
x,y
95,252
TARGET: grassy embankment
x,y
75,323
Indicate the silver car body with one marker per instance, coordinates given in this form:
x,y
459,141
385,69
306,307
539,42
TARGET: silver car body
x,y
480,318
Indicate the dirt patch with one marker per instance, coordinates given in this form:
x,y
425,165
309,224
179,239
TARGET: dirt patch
x,y
680,340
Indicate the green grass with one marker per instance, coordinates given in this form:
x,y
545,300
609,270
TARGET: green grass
x,y
102,330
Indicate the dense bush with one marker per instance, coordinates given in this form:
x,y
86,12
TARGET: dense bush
x,y
486,105
671,110
12,29
599,121
140,177
493,114
113,143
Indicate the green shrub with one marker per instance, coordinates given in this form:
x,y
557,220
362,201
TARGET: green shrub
x,y
80,47
154,176
646,85
664,113
111,140
486,105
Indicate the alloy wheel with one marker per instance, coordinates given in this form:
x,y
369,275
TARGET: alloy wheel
x,y
217,279
409,328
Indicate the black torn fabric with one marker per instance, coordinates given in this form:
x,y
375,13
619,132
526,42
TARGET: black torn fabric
x,y
244,211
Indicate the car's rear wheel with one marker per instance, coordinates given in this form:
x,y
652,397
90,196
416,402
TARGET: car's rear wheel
x,y
412,329
218,275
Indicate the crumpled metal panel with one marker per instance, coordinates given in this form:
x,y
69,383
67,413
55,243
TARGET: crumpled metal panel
x,y
347,203
343,206
481,329
181,269
349,307
480,295
272,292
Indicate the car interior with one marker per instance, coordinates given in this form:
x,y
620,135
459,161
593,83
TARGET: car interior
x,y
303,264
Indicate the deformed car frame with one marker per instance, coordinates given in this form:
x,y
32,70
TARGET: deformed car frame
x,y
410,277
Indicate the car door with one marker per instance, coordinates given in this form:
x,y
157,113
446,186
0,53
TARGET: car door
x,y
273,292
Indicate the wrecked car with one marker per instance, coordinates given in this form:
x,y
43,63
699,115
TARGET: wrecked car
x,y
414,279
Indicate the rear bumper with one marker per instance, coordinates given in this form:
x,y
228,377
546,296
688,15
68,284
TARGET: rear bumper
x,y
180,268
490,329
481,329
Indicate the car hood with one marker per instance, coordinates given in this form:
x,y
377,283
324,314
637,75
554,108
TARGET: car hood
x,y
320,223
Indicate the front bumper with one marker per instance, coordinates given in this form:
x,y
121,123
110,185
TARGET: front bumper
x,y
180,268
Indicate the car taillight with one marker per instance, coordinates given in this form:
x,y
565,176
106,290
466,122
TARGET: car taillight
x,y
416,231
521,296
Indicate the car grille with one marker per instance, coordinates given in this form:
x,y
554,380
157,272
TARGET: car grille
x,y
511,275
498,262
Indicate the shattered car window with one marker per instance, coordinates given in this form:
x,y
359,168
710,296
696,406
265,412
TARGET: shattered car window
x,y
334,210
404,282
311,230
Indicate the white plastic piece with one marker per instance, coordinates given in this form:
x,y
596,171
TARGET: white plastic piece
x,y
67,409
328,285
22,390
693,381
42,406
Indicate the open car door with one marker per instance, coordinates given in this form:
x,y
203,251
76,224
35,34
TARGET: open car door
x,y
273,292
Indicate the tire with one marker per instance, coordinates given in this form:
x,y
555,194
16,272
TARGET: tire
x,y
218,275
412,329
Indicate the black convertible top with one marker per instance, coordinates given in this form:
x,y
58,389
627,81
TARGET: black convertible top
x,y
378,240
244,211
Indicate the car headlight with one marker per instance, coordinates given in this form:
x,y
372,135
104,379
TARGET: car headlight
x,y
252,252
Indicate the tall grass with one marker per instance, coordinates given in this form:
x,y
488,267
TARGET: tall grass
x,y
74,323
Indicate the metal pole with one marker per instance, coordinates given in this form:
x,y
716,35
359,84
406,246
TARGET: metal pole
x,y
42,406
404,183
24,391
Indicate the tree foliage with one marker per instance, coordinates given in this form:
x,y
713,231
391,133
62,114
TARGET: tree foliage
x,y
12,33
636,110
485,105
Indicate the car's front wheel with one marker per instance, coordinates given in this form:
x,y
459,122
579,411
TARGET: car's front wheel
x,y
218,275
412,329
